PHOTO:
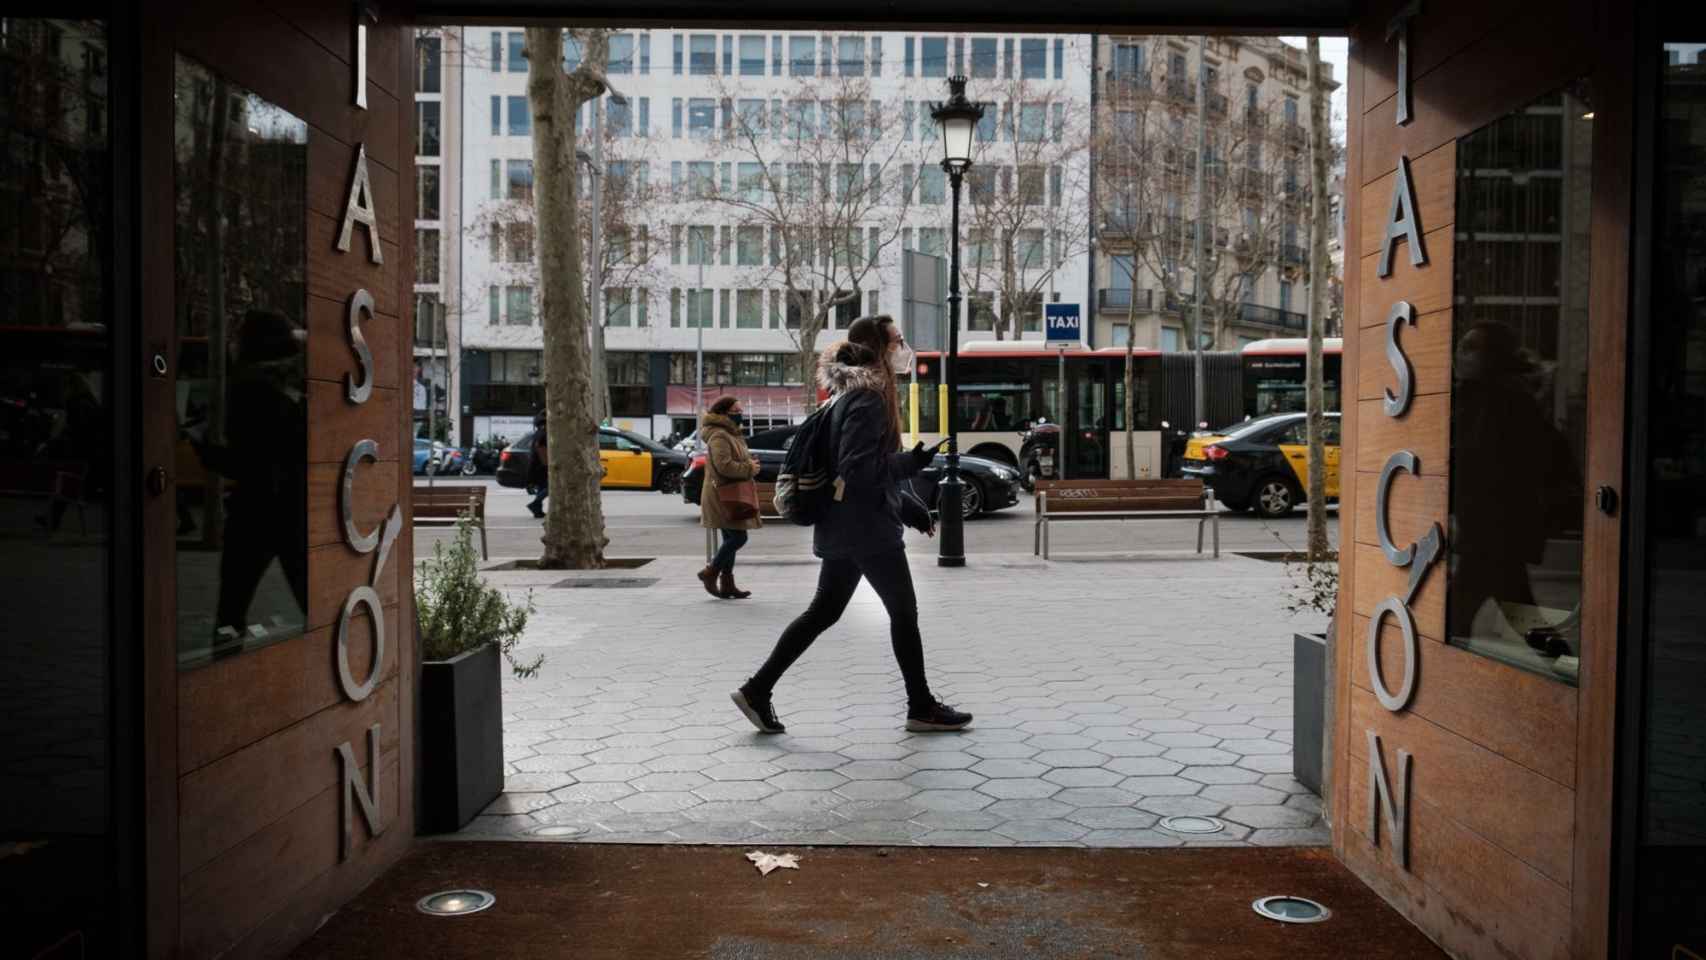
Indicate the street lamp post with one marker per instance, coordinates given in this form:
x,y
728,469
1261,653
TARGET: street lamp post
x,y
957,118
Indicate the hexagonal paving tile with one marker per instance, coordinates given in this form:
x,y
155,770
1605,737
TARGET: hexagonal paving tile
x,y
944,780
1201,756
1183,740
1130,838
690,763
667,782
717,831
1160,786
1143,766
1030,809
691,748
551,763
1244,793
809,761
1267,763
1264,817
1020,788
1038,831
876,790
742,771
748,754
735,790
1071,758
1221,775
881,831
1096,796
1006,767
875,770
537,782
663,802
1112,818
1083,777
878,810
1051,726
1165,806
807,780
957,819
952,800
593,792
520,803
875,751
1254,747
1129,748
940,760
804,801
610,772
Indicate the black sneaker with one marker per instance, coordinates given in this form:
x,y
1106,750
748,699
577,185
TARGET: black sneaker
x,y
935,717
760,712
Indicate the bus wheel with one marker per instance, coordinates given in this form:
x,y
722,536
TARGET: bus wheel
x,y
1274,497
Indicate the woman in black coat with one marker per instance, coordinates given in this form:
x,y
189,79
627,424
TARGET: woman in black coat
x,y
860,537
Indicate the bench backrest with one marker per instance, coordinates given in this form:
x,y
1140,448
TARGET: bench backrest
x,y
1089,496
449,500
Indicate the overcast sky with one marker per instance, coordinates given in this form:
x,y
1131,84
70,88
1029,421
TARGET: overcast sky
x,y
1333,50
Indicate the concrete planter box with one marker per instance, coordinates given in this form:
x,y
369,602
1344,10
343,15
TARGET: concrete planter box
x,y
461,737
1308,706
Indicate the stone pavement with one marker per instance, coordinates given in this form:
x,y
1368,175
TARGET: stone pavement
x,y
1108,695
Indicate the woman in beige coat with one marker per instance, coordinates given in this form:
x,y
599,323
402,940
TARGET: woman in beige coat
x,y
727,460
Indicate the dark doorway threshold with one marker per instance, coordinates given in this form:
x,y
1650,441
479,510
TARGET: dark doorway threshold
x,y
599,901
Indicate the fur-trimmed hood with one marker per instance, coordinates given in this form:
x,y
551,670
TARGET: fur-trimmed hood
x,y
837,375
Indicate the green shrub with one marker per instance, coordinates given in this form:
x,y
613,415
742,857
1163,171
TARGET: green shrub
x,y
459,612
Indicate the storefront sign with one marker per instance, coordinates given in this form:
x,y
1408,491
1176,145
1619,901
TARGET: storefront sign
x,y
1402,223
352,792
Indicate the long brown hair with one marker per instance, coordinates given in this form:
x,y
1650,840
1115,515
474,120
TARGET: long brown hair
x,y
876,333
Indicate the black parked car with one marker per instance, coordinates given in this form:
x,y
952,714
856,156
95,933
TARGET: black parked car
x,y
989,485
630,461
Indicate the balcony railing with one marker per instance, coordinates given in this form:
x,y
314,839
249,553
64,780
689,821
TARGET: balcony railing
x,y
1117,299
1128,84
1124,223
1182,89
1254,118
1255,313
1293,254
1294,133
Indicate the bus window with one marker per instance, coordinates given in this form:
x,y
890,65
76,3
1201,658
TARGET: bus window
x,y
994,407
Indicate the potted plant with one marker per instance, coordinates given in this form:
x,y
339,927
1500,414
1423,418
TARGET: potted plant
x,y
465,626
1315,588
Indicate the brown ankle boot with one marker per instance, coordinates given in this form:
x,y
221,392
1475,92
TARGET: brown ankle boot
x,y
726,585
708,577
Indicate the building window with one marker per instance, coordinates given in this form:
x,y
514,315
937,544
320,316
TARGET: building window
x,y
983,57
752,56
699,309
426,193
749,247
802,119
932,240
621,53
426,128
802,56
1028,250
518,305
932,185
1059,58
1171,340
519,237
427,64
571,52
1033,59
619,307
986,126
933,56
702,54
645,54
426,256
876,56
749,309
519,174
701,246
1285,295
1033,122
701,179
701,117
982,311
497,51
494,307
520,118
518,53
909,57
851,55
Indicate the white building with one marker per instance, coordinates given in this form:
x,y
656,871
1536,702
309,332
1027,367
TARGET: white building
x,y
685,95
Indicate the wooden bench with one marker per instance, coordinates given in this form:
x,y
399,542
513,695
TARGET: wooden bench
x,y
1060,500
441,504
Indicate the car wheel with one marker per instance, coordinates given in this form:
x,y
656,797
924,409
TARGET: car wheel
x,y
1274,497
669,480
971,500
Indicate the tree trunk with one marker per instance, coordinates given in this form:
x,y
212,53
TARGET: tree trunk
x,y
574,524
1318,280
809,327
1318,267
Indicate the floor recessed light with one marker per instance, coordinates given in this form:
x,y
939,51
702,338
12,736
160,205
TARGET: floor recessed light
x,y
1287,909
1193,824
455,903
557,830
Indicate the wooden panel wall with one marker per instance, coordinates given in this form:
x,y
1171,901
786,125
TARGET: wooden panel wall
x,y
244,806
1503,811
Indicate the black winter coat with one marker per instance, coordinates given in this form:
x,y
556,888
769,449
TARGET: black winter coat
x,y
866,519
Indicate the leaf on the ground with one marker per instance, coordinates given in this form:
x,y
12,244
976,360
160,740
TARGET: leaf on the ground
x,y
766,862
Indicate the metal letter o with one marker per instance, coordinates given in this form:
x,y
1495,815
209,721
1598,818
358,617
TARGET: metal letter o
x,y
1406,623
362,595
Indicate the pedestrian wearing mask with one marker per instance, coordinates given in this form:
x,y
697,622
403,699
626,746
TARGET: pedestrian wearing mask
x,y
727,462
860,535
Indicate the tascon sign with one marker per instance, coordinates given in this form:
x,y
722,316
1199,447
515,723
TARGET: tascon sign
x,y
1401,224
359,209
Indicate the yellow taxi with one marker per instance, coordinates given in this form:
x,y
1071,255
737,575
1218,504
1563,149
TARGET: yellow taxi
x,y
1263,465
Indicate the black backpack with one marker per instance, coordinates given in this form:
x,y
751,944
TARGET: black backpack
x,y
806,484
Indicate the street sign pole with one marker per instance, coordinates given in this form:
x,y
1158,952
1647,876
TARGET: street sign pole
x,y
1064,329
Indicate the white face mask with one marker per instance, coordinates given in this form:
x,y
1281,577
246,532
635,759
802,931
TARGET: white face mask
x,y
901,359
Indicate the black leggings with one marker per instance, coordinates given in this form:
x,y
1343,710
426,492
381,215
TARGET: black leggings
x,y
836,580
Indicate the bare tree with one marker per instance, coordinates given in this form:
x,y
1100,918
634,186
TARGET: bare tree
x,y
574,526
1025,199
813,179
1250,208
1320,270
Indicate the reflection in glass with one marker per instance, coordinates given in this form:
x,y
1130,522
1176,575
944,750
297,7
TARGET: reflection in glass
x,y
241,171
56,347
1519,385
1670,900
